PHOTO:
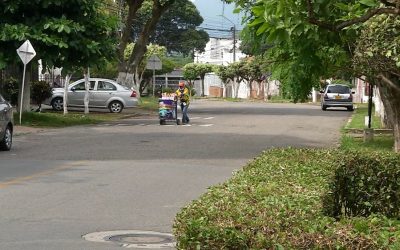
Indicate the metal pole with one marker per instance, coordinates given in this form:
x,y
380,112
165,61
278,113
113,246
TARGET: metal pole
x,y
234,43
22,95
370,105
154,79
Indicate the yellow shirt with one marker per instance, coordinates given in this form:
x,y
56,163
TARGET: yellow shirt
x,y
183,95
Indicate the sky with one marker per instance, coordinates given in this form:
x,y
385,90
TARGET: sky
x,y
211,11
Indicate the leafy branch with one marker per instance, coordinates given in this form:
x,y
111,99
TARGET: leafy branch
x,y
392,9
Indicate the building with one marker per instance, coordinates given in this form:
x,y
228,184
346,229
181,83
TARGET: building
x,y
220,51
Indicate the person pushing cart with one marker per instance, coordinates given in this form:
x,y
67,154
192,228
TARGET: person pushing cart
x,y
182,94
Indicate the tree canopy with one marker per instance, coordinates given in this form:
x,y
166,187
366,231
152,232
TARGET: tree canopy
x,y
63,33
176,29
69,34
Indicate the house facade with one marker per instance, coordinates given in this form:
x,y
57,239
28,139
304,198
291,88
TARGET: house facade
x,y
223,51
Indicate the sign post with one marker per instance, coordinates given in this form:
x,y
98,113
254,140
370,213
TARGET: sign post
x,y
26,53
154,63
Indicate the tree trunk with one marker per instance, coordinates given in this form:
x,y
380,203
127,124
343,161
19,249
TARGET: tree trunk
x,y
251,88
202,87
126,79
141,44
133,7
65,99
87,88
391,101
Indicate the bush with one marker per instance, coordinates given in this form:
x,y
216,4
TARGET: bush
x,y
365,184
276,202
11,90
40,91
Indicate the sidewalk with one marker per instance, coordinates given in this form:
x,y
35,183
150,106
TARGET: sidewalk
x,y
23,130
127,113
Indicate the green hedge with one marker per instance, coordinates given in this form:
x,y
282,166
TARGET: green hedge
x,y
365,184
276,202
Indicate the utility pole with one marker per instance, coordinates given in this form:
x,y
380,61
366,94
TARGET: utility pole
x,y
234,36
234,42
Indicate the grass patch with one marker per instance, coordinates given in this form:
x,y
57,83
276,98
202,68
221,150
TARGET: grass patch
x,y
380,143
56,120
279,99
148,103
357,121
231,99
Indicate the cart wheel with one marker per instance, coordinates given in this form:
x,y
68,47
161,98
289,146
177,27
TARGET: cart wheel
x,y
162,122
178,121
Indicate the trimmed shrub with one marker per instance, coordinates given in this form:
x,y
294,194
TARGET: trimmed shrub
x,y
365,184
276,202
40,91
11,90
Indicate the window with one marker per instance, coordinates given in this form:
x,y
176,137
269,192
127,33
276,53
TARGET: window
x,y
81,86
338,89
105,86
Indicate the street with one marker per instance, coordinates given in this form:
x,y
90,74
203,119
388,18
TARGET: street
x,y
60,184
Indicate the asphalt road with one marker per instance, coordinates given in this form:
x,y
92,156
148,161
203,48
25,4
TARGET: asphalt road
x,y
59,184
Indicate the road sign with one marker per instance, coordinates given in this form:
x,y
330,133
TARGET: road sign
x,y
26,52
154,62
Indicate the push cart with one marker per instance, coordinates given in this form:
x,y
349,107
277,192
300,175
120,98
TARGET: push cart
x,y
168,109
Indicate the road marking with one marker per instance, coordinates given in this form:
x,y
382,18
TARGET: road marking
x,y
195,118
20,180
206,125
209,118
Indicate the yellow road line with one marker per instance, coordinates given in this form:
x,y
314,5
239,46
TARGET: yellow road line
x,y
20,180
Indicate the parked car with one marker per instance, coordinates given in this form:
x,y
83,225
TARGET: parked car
x,y
337,95
103,93
6,124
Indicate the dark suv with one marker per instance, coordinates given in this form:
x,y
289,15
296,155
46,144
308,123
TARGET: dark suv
x,y
6,124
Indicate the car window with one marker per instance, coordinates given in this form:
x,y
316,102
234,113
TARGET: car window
x,y
105,86
338,89
81,86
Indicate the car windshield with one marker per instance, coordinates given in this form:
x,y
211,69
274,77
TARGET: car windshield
x,y
338,89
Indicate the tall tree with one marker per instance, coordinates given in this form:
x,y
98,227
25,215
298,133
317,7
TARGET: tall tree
x,y
64,33
158,8
377,56
177,28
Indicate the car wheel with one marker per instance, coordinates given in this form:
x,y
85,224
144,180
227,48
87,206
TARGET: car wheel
x,y
57,104
116,107
323,107
350,108
162,122
6,142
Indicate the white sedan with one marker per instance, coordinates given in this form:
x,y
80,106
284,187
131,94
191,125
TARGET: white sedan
x,y
103,93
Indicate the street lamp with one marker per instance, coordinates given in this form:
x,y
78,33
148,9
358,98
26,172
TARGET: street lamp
x,y
233,29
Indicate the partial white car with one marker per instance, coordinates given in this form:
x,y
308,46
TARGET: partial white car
x,y
6,124
103,93
337,95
